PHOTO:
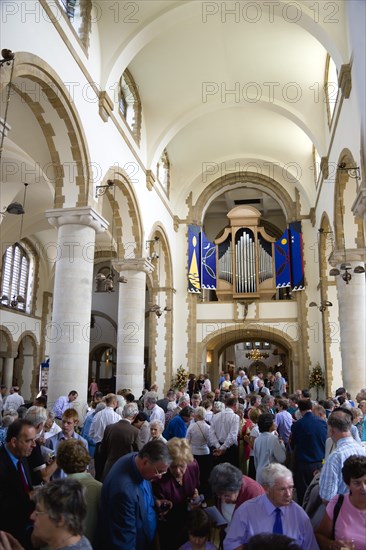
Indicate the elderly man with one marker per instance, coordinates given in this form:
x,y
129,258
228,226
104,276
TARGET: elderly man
x,y
223,434
119,439
15,481
127,517
274,512
100,421
156,412
41,471
331,480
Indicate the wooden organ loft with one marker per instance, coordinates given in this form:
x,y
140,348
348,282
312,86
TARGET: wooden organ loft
x,y
245,258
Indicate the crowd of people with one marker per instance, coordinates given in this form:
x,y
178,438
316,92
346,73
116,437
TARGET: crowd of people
x,y
238,465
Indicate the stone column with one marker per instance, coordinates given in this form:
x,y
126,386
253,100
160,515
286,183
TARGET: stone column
x,y
131,324
70,327
8,371
352,322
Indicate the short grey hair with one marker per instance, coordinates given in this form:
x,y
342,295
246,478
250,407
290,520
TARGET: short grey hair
x,y
130,410
100,407
340,420
36,415
200,412
151,400
225,478
171,406
183,399
64,499
158,424
271,473
218,406
156,451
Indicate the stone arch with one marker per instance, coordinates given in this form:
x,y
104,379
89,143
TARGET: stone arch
x,y
25,364
218,340
6,338
124,186
161,292
247,179
344,220
29,67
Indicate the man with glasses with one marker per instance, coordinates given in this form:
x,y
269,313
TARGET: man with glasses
x,y
128,517
274,512
15,480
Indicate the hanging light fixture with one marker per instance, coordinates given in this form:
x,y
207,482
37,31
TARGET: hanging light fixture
x,y
345,267
105,281
323,305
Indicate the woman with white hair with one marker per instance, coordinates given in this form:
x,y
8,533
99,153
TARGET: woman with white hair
x,y
156,431
197,435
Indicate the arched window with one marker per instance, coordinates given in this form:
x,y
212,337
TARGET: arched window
x,y
17,278
331,87
130,104
79,14
163,171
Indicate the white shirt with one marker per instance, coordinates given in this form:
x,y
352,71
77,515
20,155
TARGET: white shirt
x,y
198,436
224,429
100,421
13,401
157,413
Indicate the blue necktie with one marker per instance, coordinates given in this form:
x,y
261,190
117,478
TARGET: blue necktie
x,y
277,526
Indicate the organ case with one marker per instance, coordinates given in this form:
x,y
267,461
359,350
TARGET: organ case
x,y
245,257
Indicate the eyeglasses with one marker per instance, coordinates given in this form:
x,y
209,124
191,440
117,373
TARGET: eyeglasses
x,y
39,512
159,474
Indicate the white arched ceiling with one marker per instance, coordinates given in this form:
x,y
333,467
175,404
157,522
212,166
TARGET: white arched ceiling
x,y
247,83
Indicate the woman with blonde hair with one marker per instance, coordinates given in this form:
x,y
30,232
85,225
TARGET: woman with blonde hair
x,y
178,488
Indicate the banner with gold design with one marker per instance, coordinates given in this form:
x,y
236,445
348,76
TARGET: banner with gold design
x,y
194,258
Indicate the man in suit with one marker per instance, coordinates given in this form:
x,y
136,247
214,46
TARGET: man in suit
x,y
127,512
119,439
15,481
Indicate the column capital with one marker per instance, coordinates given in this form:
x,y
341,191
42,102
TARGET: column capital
x,y
359,206
134,264
350,255
85,215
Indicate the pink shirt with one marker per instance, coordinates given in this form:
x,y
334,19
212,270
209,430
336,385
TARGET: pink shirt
x,y
350,523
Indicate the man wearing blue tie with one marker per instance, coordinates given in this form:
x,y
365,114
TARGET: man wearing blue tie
x,y
274,512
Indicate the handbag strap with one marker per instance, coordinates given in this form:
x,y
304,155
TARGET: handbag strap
x,y
336,511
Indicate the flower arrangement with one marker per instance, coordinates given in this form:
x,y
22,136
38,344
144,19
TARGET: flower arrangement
x,y
316,379
179,382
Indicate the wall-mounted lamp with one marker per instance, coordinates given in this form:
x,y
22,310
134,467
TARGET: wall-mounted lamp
x,y
102,189
323,305
352,171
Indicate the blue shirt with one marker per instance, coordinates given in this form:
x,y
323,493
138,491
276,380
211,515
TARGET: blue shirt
x,y
257,515
150,507
331,481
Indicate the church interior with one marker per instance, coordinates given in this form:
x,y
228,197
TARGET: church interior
x,y
182,184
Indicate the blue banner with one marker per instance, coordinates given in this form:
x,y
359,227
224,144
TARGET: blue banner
x,y
194,258
282,261
208,263
297,262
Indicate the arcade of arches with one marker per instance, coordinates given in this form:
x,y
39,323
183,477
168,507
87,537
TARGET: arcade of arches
x,y
129,127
